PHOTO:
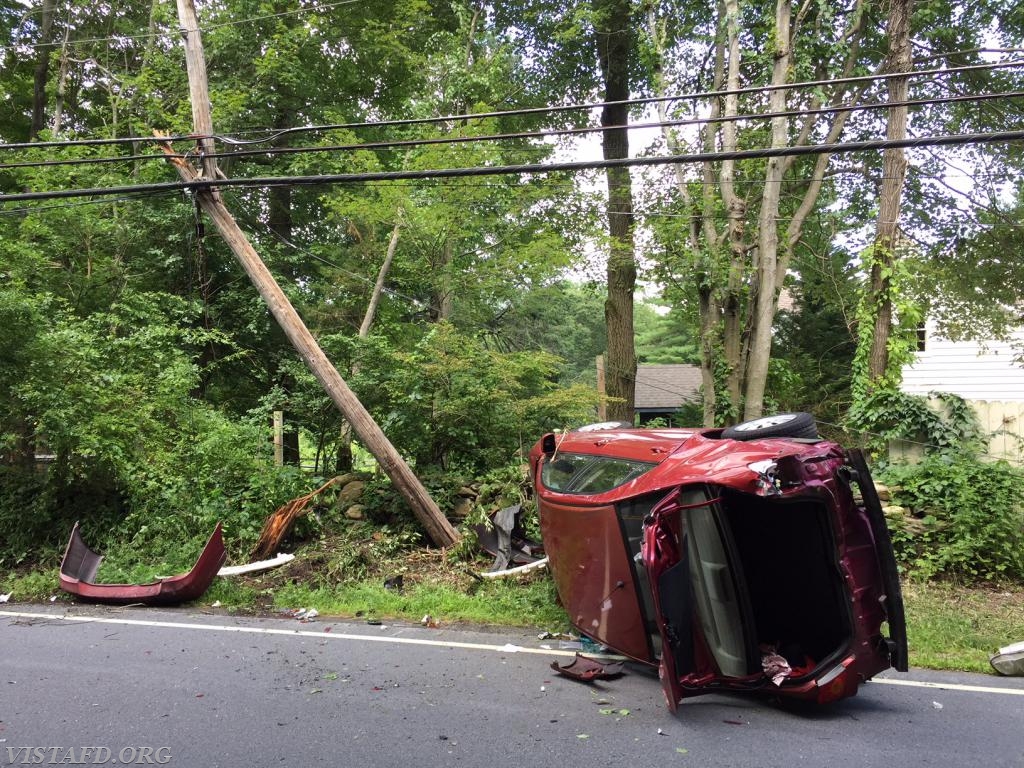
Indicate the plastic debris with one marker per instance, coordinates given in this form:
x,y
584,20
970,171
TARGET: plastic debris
x,y
505,537
592,646
555,636
586,669
774,665
429,621
513,571
5,598
936,705
259,565
1009,660
304,615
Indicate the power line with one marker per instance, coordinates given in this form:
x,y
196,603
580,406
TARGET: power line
x,y
451,140
548,183
694,96
530,110
529,168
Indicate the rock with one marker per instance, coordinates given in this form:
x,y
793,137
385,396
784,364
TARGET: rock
x,y
351,493
884,492
467,492
462,508
356,512
894,511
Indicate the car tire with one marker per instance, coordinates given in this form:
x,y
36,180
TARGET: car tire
x,y
799,425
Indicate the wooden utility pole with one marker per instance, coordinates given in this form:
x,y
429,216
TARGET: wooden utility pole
x,y
278,438
416,496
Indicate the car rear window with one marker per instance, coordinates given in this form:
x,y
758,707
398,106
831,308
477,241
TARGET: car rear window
x,y
580,473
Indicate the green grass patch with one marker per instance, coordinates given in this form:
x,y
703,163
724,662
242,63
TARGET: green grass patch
x,y
959,628
31,586
500,602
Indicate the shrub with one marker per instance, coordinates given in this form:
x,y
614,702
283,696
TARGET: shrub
x,y
970,518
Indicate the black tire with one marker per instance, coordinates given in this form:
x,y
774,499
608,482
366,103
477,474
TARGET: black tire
x,y
800,425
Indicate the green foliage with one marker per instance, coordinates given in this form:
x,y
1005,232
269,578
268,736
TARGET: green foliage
x,y
968,518
951,428
902,341
664,338
452,402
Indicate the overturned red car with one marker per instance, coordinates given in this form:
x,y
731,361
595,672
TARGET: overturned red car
x,y
752,558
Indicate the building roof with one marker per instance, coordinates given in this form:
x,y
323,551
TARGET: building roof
x,y
666,387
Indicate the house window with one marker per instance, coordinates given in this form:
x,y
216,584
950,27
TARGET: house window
x,y
922,337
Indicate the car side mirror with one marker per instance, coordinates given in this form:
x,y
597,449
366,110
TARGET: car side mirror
x,y
547,443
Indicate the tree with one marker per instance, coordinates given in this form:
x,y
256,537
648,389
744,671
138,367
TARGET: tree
x,y
882,255
616,50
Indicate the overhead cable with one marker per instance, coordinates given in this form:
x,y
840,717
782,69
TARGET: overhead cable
x,y
444,140
514,112
530,168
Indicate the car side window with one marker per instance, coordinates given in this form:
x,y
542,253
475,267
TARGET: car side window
x,y
580,473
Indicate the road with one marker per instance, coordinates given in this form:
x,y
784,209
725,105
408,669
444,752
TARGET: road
x,y
197,689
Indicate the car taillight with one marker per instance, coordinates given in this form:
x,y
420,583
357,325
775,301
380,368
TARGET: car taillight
x,y
838,683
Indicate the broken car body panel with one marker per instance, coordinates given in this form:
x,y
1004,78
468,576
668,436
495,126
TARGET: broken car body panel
x,y
80,564
730,564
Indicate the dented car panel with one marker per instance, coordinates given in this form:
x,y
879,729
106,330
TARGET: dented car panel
x,y
80,564
749,565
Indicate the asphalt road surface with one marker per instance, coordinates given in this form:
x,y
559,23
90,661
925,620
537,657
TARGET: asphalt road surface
x,y
91,686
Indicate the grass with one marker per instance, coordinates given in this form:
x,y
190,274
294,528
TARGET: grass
x,y
957,628
507,603
950,627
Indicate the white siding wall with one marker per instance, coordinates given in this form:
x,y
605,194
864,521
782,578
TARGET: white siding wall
x,y
969,369
983,374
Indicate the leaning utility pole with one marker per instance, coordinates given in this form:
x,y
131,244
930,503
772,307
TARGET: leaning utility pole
x,y
436,524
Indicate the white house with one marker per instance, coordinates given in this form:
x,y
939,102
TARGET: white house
x,y
990,375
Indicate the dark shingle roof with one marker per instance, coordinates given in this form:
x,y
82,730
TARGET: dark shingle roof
x,y
666,387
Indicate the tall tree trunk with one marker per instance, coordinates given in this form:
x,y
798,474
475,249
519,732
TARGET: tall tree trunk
x,y
42,70
280,221
894,171
344,452
768,275
615,51
707,300
62,82
378,287
735,208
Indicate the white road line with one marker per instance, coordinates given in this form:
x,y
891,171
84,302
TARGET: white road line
x,y
950,686
509,648
436,643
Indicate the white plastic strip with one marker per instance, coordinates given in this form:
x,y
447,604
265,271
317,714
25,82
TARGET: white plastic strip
x,y
259,565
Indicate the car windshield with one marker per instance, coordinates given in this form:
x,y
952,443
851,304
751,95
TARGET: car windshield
x,y
582,473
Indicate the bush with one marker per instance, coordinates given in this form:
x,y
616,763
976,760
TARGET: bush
x,y
970,518
454,404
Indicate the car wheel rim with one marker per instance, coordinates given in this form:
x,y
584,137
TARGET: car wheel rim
x,y
765,423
